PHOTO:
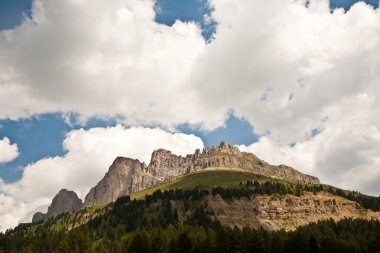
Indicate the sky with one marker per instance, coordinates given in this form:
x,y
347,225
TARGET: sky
x,y
81,82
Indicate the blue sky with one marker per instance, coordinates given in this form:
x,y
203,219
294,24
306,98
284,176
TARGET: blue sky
x,y
42,135
346,4
12,12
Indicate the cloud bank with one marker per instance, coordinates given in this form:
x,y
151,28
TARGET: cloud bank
x,y
8,151
89,155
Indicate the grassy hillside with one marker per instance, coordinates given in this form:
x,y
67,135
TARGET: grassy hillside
x,y
208,178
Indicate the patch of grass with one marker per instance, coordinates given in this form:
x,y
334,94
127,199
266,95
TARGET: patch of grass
x,y
206,179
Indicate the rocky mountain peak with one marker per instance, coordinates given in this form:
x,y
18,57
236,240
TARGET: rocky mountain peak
x,y
222,148
64,201
224,145
161,157
127,175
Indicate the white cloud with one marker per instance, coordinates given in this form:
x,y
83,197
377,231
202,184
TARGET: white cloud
x,y
96,57
304,59
100,58
346,153
8,151
89,155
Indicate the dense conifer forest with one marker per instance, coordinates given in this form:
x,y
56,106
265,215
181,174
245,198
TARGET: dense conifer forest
x,y
152,225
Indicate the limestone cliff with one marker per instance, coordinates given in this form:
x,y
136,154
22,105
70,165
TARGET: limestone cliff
x,y
280,212
64,201
126,176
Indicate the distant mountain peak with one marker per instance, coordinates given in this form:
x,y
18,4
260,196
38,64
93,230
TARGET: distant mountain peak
x,y
64,201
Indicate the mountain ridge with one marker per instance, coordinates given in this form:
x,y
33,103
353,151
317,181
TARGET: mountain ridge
x,y
126,175
235,199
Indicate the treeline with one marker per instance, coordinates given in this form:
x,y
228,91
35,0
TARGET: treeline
x,y
251,188
327,236
247,189
368,202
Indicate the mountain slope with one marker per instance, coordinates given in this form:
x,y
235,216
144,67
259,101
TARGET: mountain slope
x,y
273,206
228,197
233,198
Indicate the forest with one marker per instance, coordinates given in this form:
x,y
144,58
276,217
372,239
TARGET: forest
x,y
152,225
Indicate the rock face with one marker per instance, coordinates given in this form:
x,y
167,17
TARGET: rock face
x,y
126,176
64,201
284,212
38,217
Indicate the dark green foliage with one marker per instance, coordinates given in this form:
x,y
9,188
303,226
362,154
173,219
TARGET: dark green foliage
x,y
140,243
249,189
327,236
75,242
153,225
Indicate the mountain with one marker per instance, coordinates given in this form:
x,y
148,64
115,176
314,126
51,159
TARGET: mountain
x,y
126,175
64,201
237,198
215,200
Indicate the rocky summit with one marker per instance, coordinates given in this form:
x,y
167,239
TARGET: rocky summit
x,y
126,175
64,201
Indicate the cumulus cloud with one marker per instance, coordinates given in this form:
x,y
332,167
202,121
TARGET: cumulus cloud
x,y
89,155
8,151
280,65
346,152
97,57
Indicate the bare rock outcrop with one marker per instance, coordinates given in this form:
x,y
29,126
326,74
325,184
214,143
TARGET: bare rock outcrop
x,y
38,217
123,177
126,175
64,201
285,212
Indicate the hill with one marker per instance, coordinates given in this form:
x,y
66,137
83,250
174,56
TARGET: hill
x,y
214,200
237,198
